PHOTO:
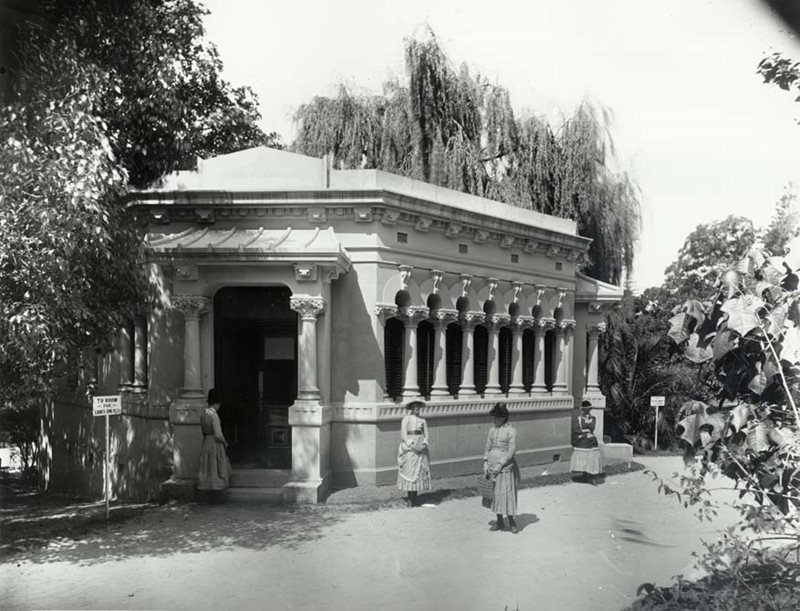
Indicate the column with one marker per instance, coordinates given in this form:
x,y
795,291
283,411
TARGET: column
x,y
309,418
309,307
592,381
140,352
192,307
468,321
185,412
493,381
411,318
517,387
125,347
539,330
440,321
560,357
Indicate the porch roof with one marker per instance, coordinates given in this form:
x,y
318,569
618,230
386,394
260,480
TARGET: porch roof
x,y
300,243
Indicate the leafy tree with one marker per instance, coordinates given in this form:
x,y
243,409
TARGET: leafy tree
x,y
163,99
707,252
107,95
785,223
749,434
452,128
638,361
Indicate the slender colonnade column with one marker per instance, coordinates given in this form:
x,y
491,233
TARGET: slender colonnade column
x,y
309,307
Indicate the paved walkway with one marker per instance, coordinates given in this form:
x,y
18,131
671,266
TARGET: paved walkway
x,y
580,547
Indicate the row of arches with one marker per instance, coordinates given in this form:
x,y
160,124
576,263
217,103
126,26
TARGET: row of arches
x,y
467,369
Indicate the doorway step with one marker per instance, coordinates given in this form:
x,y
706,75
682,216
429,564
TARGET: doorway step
x,y
258,485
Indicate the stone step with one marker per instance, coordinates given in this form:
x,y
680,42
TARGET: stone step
x,y
259,478
264,496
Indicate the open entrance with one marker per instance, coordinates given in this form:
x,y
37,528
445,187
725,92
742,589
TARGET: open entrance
x,y
255,349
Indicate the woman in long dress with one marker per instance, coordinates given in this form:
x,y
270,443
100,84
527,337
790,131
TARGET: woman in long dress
x,y
499,464
215,469
413,458
586,462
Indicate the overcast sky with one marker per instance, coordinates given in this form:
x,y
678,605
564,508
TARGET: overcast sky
x,y
693,123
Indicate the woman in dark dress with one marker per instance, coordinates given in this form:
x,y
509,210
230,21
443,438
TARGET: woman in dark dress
x,y
586,462
499,464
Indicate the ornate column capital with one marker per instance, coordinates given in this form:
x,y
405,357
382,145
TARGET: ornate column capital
x,y
566,324
494,322
385,311
596,328
468,320
518,324
543,325
308,306
191,306
412,315
443,317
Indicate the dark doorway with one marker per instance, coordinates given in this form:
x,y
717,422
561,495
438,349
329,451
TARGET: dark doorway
x,y
255,340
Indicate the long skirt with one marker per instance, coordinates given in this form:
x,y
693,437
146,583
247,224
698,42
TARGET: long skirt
x,y
215,468
504,499
586,460
414,470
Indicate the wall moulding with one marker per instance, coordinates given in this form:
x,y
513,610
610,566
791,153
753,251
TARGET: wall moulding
x,y
450,408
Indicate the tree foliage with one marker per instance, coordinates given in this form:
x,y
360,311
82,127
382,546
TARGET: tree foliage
x,y
163,99
784,224
638,361
456,129
707,252
749,432
108,94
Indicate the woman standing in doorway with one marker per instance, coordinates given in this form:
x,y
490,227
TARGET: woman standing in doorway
x,y
215,469
499,463
413,459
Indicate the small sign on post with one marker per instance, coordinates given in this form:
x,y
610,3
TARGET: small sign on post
x,y
108,405
657,401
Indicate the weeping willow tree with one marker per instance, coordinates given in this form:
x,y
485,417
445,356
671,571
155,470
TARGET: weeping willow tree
x,y
452,128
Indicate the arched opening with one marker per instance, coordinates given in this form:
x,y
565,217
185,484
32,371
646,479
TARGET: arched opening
x,y
549,370
255,373
505,341
425,339
453,342
481,362
393,337
528,343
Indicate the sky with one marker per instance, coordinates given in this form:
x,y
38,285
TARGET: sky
x,y
693,124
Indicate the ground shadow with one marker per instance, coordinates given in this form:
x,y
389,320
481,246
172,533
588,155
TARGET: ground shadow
x,y
41,528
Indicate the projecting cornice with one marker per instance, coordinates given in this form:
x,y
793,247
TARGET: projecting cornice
x,y
329,208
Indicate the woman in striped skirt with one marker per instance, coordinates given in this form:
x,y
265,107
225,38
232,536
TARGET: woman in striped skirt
x,y
413,459
499,463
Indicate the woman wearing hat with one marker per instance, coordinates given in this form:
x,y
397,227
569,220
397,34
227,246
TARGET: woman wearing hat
x,y
586,462
413,460
499,463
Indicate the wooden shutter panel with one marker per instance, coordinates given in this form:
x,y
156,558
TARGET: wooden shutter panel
x,y
481,341
393,336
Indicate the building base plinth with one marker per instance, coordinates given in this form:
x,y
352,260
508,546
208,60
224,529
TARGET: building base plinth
x,y
622,452
310,491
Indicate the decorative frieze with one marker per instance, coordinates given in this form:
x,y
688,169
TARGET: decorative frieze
x,y
317,215
423,224
363,214
453,230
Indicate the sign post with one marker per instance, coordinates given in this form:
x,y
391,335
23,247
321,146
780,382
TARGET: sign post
x,y
656,401
109,405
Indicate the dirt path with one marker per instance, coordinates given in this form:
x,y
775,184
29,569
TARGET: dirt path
x,y
580,547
